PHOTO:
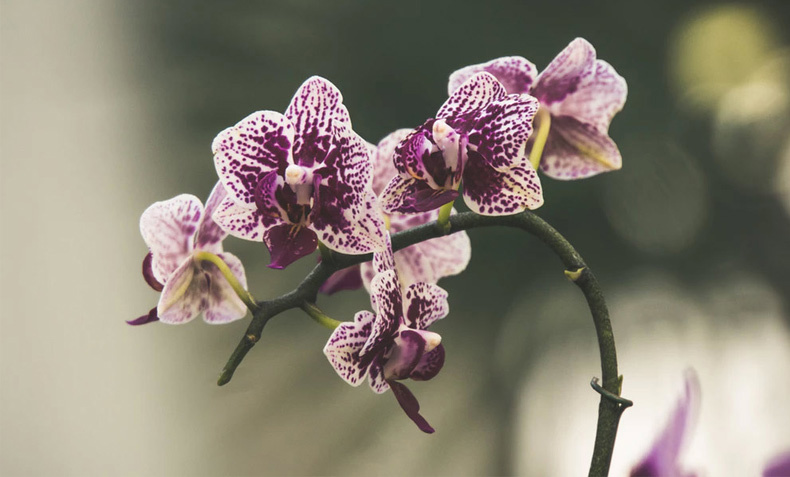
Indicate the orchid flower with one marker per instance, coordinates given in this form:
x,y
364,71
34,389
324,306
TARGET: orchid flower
x,y
423,262
478,136
296,178
579,95
178,232
392,343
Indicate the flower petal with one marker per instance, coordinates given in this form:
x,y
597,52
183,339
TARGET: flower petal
x,y
411,196
148,273
575,84
210,235
778,466
288,243
244,223
384,260
383,165
576,150
663,457
224,305
473,95
423,304
410,405
312,112
149,317
346,279
257,145
434,259
346,215
430,364
490,192
562,76
168,228
184,296
499,132
387,300
411,154
344,346
516,74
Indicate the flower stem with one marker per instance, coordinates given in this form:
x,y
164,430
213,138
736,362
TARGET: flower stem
x,y
444,217
610,406
319,316
543,121
243,294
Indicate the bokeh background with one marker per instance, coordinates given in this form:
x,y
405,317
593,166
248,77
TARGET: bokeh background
x,y
108,106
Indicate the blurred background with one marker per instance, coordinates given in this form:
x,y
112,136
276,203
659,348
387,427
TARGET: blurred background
x,y
108,106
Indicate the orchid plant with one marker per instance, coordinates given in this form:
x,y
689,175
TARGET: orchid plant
x,y
381,216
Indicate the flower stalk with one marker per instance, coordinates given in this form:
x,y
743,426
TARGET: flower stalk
x,y
543,122
319,316
609,410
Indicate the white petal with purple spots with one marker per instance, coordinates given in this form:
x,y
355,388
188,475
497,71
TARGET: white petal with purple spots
x,y
184,295
242,222
387,301
514,72
473,95
312,111
383,166
423,304
245,153
210,235
563,75
344,346
168,228
490,192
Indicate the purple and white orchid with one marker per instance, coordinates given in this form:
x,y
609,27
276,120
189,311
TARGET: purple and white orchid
x,y
580,95
174,231
299,177
423,262
393,343
477,136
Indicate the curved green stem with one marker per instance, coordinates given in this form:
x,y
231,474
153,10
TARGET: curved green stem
x,y
243,294
319,316
610,407
543,122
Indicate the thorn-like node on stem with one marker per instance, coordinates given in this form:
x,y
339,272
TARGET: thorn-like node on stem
x,y
574,275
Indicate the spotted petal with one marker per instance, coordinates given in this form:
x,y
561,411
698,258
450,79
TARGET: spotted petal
x,y
387,300
288,243
376,379
490,192
242,222
499,132
423,304
344,346
312,111
210,235
224,305
575,84
577,150
346,279
410,346
514,72
410,155
473,95
168,228
257,145
346,215
384,260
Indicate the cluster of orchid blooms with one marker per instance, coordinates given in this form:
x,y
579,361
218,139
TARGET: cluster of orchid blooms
x,y
304,178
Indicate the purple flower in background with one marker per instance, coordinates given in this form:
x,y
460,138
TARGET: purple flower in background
x,y
423,262
580,93
297,178
478,136
779,466
663,458
174,230
393,343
